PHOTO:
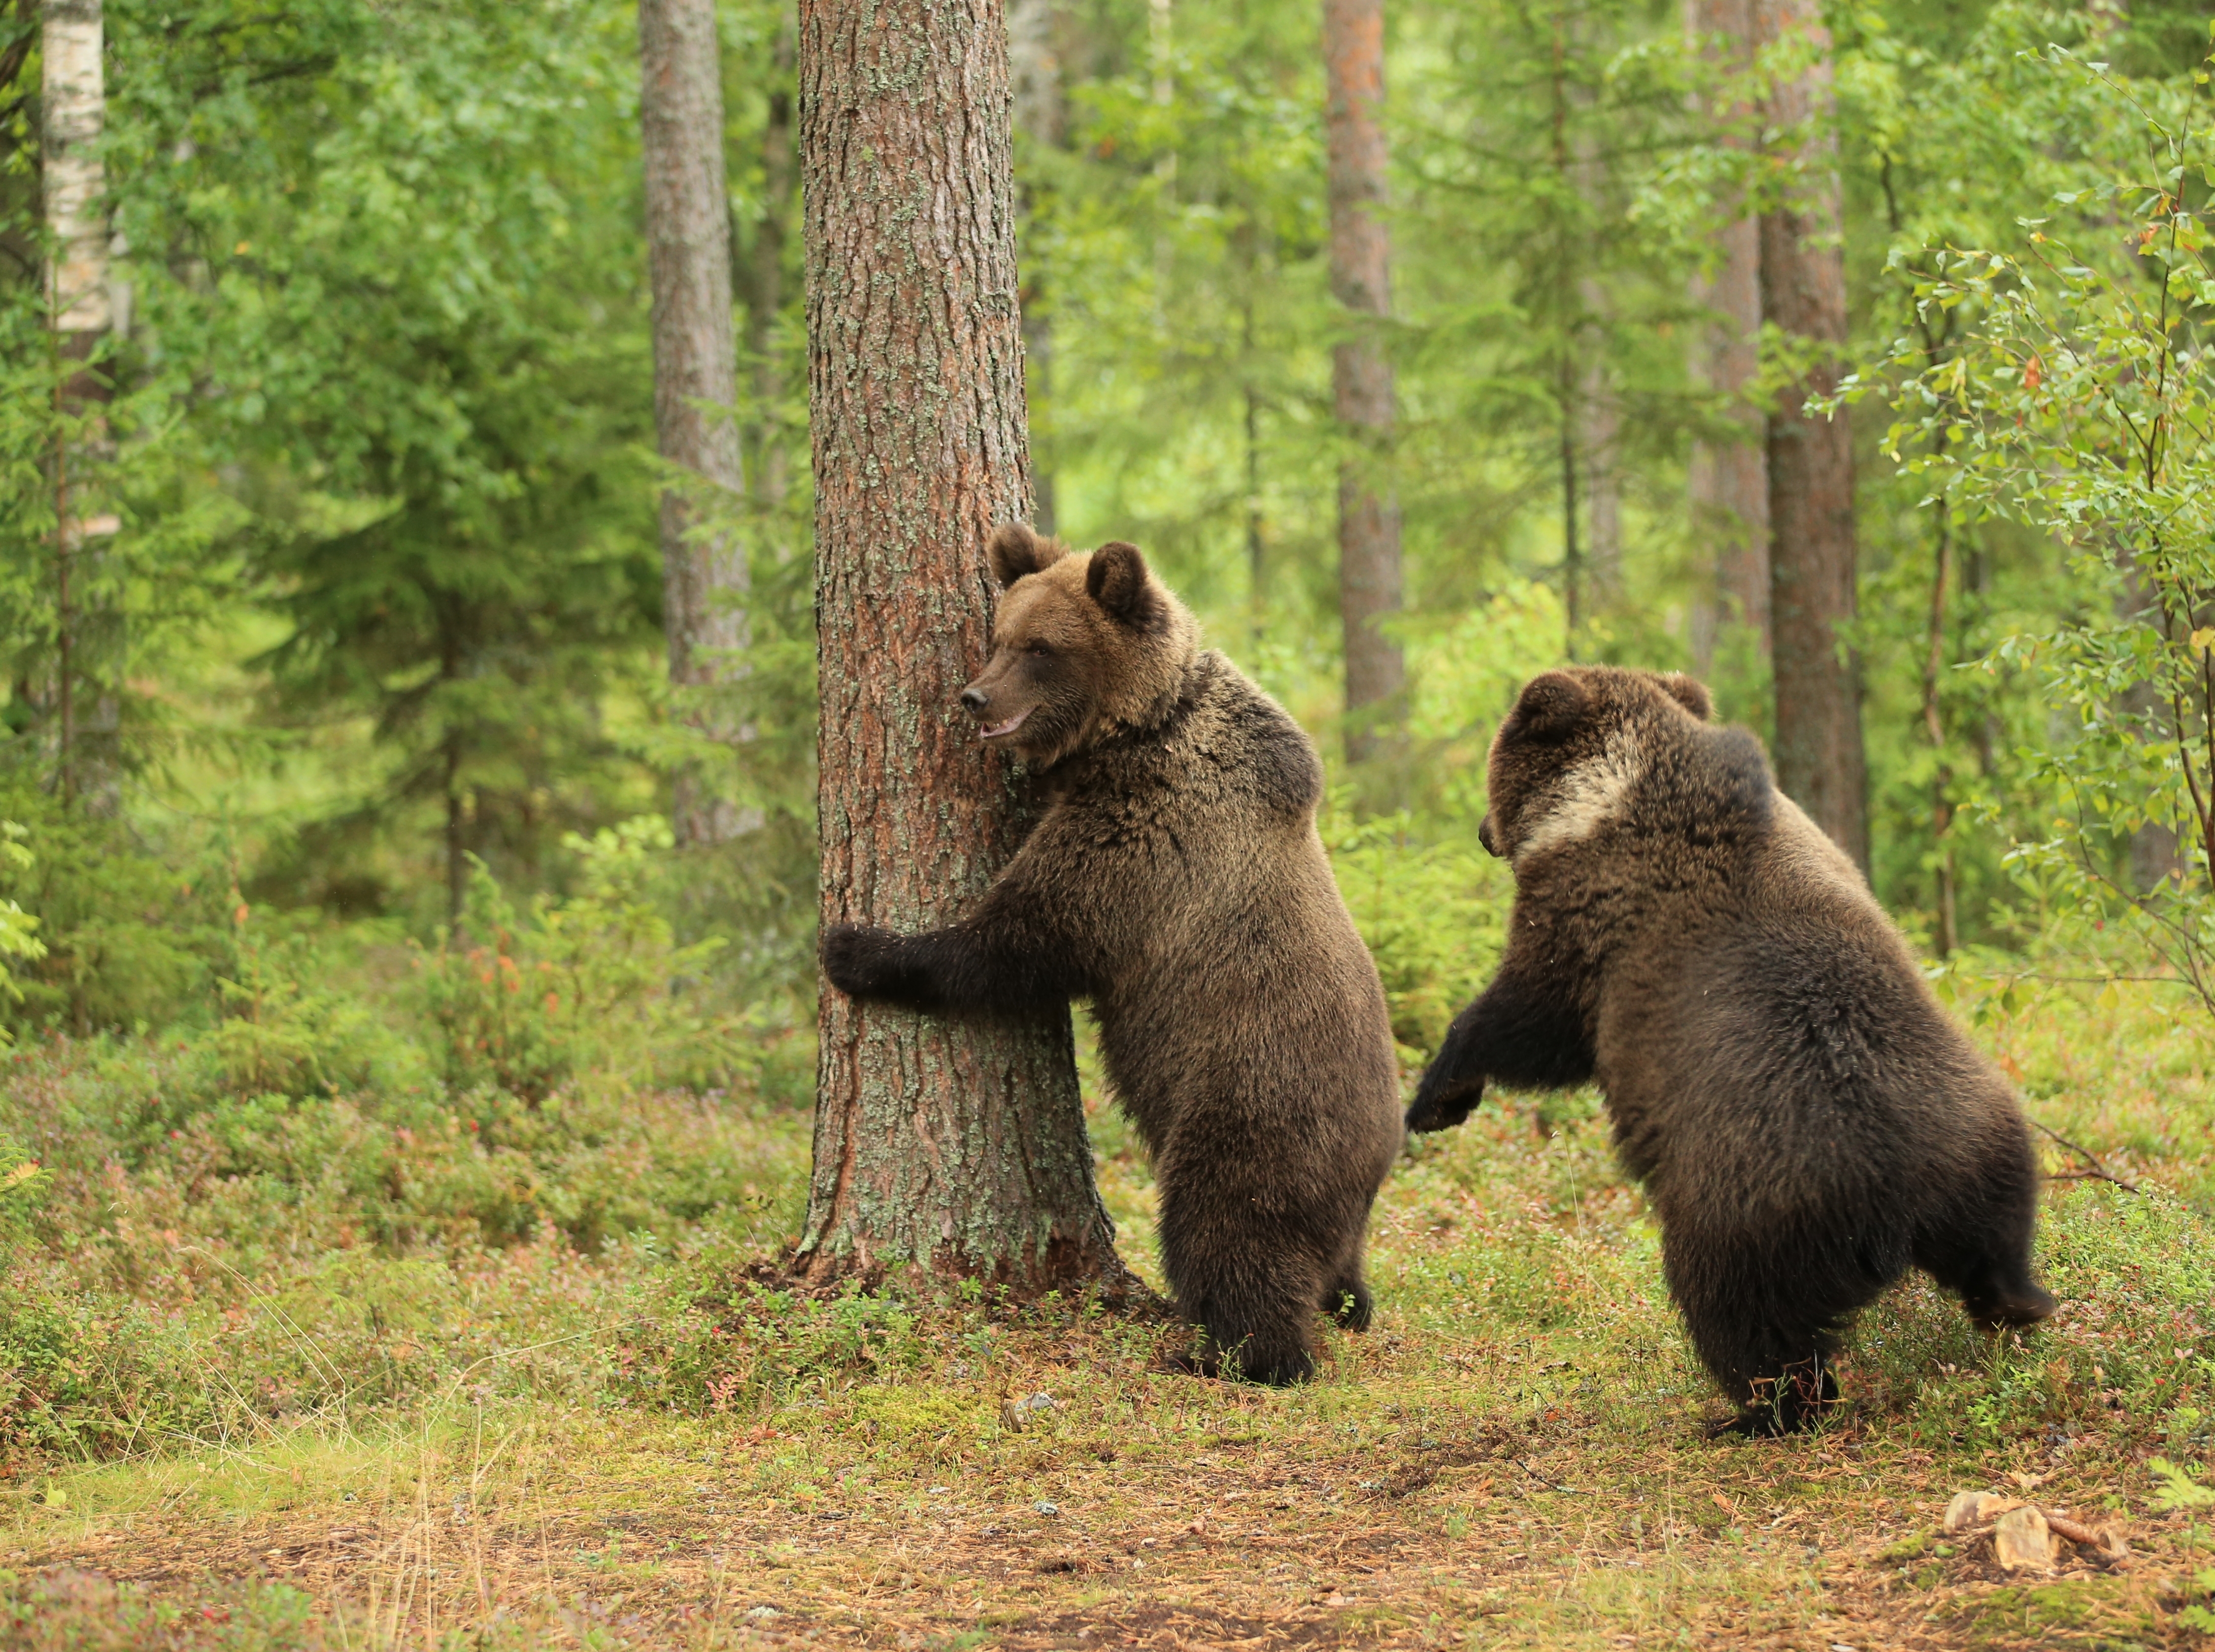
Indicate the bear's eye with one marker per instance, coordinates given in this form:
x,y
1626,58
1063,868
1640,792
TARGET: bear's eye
x,y
1039,650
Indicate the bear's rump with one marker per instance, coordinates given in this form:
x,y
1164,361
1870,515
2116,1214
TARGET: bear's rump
x,y
1758,1083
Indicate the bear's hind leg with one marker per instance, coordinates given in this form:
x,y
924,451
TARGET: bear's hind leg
x,y
1255,1293
1764,1326
1253,1330
1348,1302
1978,1245
1346,1298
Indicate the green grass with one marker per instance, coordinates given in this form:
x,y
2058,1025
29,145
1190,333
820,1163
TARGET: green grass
x,y
246,1409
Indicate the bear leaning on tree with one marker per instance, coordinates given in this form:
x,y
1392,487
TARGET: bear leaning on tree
x,y
1175,879
1806,1120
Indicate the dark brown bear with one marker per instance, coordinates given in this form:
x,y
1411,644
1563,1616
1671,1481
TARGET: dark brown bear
x,y
1175,879
1806,1120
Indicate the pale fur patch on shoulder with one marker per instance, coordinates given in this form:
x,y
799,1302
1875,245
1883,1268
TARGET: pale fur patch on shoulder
x,y
1593,792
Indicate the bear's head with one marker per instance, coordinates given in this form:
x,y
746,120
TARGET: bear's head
x,y
1083,644
1564,762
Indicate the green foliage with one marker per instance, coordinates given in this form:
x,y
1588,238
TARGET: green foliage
x,y
1434,918
131,926
596,981
18,928
2079,404
2179,1490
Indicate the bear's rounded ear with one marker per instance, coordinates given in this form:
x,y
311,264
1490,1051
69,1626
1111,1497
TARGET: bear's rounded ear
x,y
1118,581
1688,692
1550,707
1017,550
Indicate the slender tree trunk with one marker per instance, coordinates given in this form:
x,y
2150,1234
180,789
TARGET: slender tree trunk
x,y
1257,550
89,639
1818,739
1361,376
1599,423
1729,481
2155,846
457,875
1573,548
766,281
955,1146
1934,729
695,378
1599,417
1041,116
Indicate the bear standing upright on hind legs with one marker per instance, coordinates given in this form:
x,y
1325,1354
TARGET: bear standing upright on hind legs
x,y
1176,879
1806,1120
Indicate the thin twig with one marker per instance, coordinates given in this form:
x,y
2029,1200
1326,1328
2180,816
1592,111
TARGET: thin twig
x,y
1534,1475
2099,1171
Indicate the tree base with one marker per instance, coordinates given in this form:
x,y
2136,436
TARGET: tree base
x,y
1064,1269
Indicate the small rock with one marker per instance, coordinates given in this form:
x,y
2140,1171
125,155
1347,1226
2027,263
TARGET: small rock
x,y
1971,1508
762,1614
2023,1541
1039,1402
1046,1507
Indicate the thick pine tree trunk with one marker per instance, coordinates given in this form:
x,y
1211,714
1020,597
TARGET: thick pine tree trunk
x,y
695,375
954,1146
88,629
1818,738
1361,377
1730,480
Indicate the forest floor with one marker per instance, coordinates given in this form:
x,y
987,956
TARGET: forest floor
x,y
1514,1456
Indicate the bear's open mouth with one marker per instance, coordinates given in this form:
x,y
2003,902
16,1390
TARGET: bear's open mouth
x,y
996,730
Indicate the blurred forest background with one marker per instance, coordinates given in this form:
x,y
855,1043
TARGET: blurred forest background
x,y
338,734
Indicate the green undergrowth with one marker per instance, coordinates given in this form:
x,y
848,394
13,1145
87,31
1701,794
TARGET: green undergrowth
x,y
241,1280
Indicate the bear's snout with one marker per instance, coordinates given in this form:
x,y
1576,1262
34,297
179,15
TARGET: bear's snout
x,y
1484,836
975,698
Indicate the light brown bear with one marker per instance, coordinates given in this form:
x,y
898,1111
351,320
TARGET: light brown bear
x,y
1175,879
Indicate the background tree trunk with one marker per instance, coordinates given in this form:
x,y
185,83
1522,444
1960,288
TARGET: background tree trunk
x,y
1600,426
1041,116
1730,480
766,286
1818,737
1361,377
88,632
955,1146
695,374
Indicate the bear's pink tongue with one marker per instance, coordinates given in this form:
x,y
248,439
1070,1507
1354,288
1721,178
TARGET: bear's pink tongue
x,y
1008,727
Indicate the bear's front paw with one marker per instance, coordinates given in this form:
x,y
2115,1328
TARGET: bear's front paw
x,y
858,958
1443,1102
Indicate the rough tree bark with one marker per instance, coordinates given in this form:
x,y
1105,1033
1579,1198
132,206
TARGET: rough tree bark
x,y
1730,478
953,1147
1041,115
1818,737
88,630
1361,377
695,374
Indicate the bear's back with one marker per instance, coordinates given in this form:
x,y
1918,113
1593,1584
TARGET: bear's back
x,y
1779,1040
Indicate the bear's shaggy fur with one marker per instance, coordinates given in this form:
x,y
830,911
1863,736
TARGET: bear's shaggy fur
x,y
1176,878
1805,1118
